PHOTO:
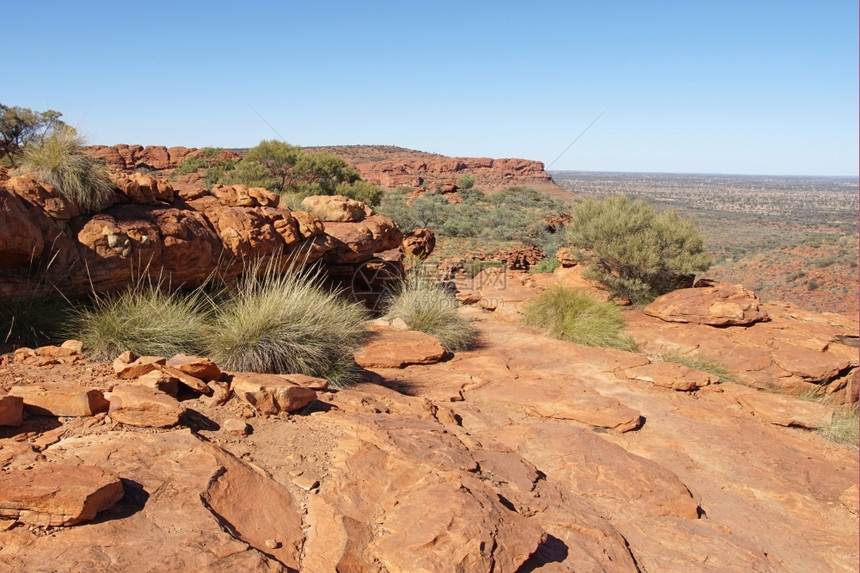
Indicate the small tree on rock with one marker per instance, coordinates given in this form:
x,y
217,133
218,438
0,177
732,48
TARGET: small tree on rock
x,y
635,252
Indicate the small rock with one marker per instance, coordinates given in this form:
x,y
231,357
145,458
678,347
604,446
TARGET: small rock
x,y
187,380
196,366
161,381
306,483
219,395
236,427
394,349
127,365
271,393
671,375
75,345
272,543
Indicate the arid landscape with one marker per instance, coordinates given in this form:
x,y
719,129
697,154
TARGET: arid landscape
x,y
715,430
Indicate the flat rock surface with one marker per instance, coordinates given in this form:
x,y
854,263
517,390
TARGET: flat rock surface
x,y
483,450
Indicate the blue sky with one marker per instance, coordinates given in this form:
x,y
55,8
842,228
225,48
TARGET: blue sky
x,y
754,87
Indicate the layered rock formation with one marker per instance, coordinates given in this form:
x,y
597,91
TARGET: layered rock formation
x,y
182,237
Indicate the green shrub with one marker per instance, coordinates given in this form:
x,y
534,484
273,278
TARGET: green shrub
x,y
546,265
363,191
466,181
145,318
61,162
33,320
275,161
423,306
703,364
635,252
571,315
286,323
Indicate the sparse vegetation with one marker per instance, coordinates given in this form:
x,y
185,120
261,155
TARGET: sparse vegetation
x,y
546,265
424,306
21,127
60,161
703,364
32,320
843,428
286,323
571,315
146,318
635,252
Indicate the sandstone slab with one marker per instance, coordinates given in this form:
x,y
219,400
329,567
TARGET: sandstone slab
x,y
128,365
144,407
60,400
718,305
55,494
396,349
671,375
187,380
336,208
782,410
197,366
271,393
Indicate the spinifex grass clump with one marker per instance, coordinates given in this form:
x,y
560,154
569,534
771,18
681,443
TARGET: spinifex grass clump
x,y
423,306
146,319
286,323
702,364
32,320
61,162
571,315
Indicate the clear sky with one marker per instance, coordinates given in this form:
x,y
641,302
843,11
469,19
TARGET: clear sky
x,y
691,86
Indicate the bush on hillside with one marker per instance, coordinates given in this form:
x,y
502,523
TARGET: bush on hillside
x,y
637,253
423,306
286,323
60,161
571,315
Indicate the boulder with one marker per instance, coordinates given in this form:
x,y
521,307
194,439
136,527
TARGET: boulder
x,y
565,257
60,400
271,393
159,380
397,349
21,239
419,243
144,407
336,208
55,494
717,305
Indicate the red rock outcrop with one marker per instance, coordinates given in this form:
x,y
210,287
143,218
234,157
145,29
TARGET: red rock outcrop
x,y
182,238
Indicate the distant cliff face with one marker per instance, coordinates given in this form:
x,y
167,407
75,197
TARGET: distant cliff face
x,y
391,167
387,166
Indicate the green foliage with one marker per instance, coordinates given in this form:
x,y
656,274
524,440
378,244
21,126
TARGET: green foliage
x,y
423,306
275,163
20,127
145,318
363,191
321,173
514,214
702,364
211,159
634,251
32,320
286,323
466,181
571,315
545,265
60,162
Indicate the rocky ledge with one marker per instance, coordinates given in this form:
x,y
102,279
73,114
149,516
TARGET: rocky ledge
x,y
178,235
